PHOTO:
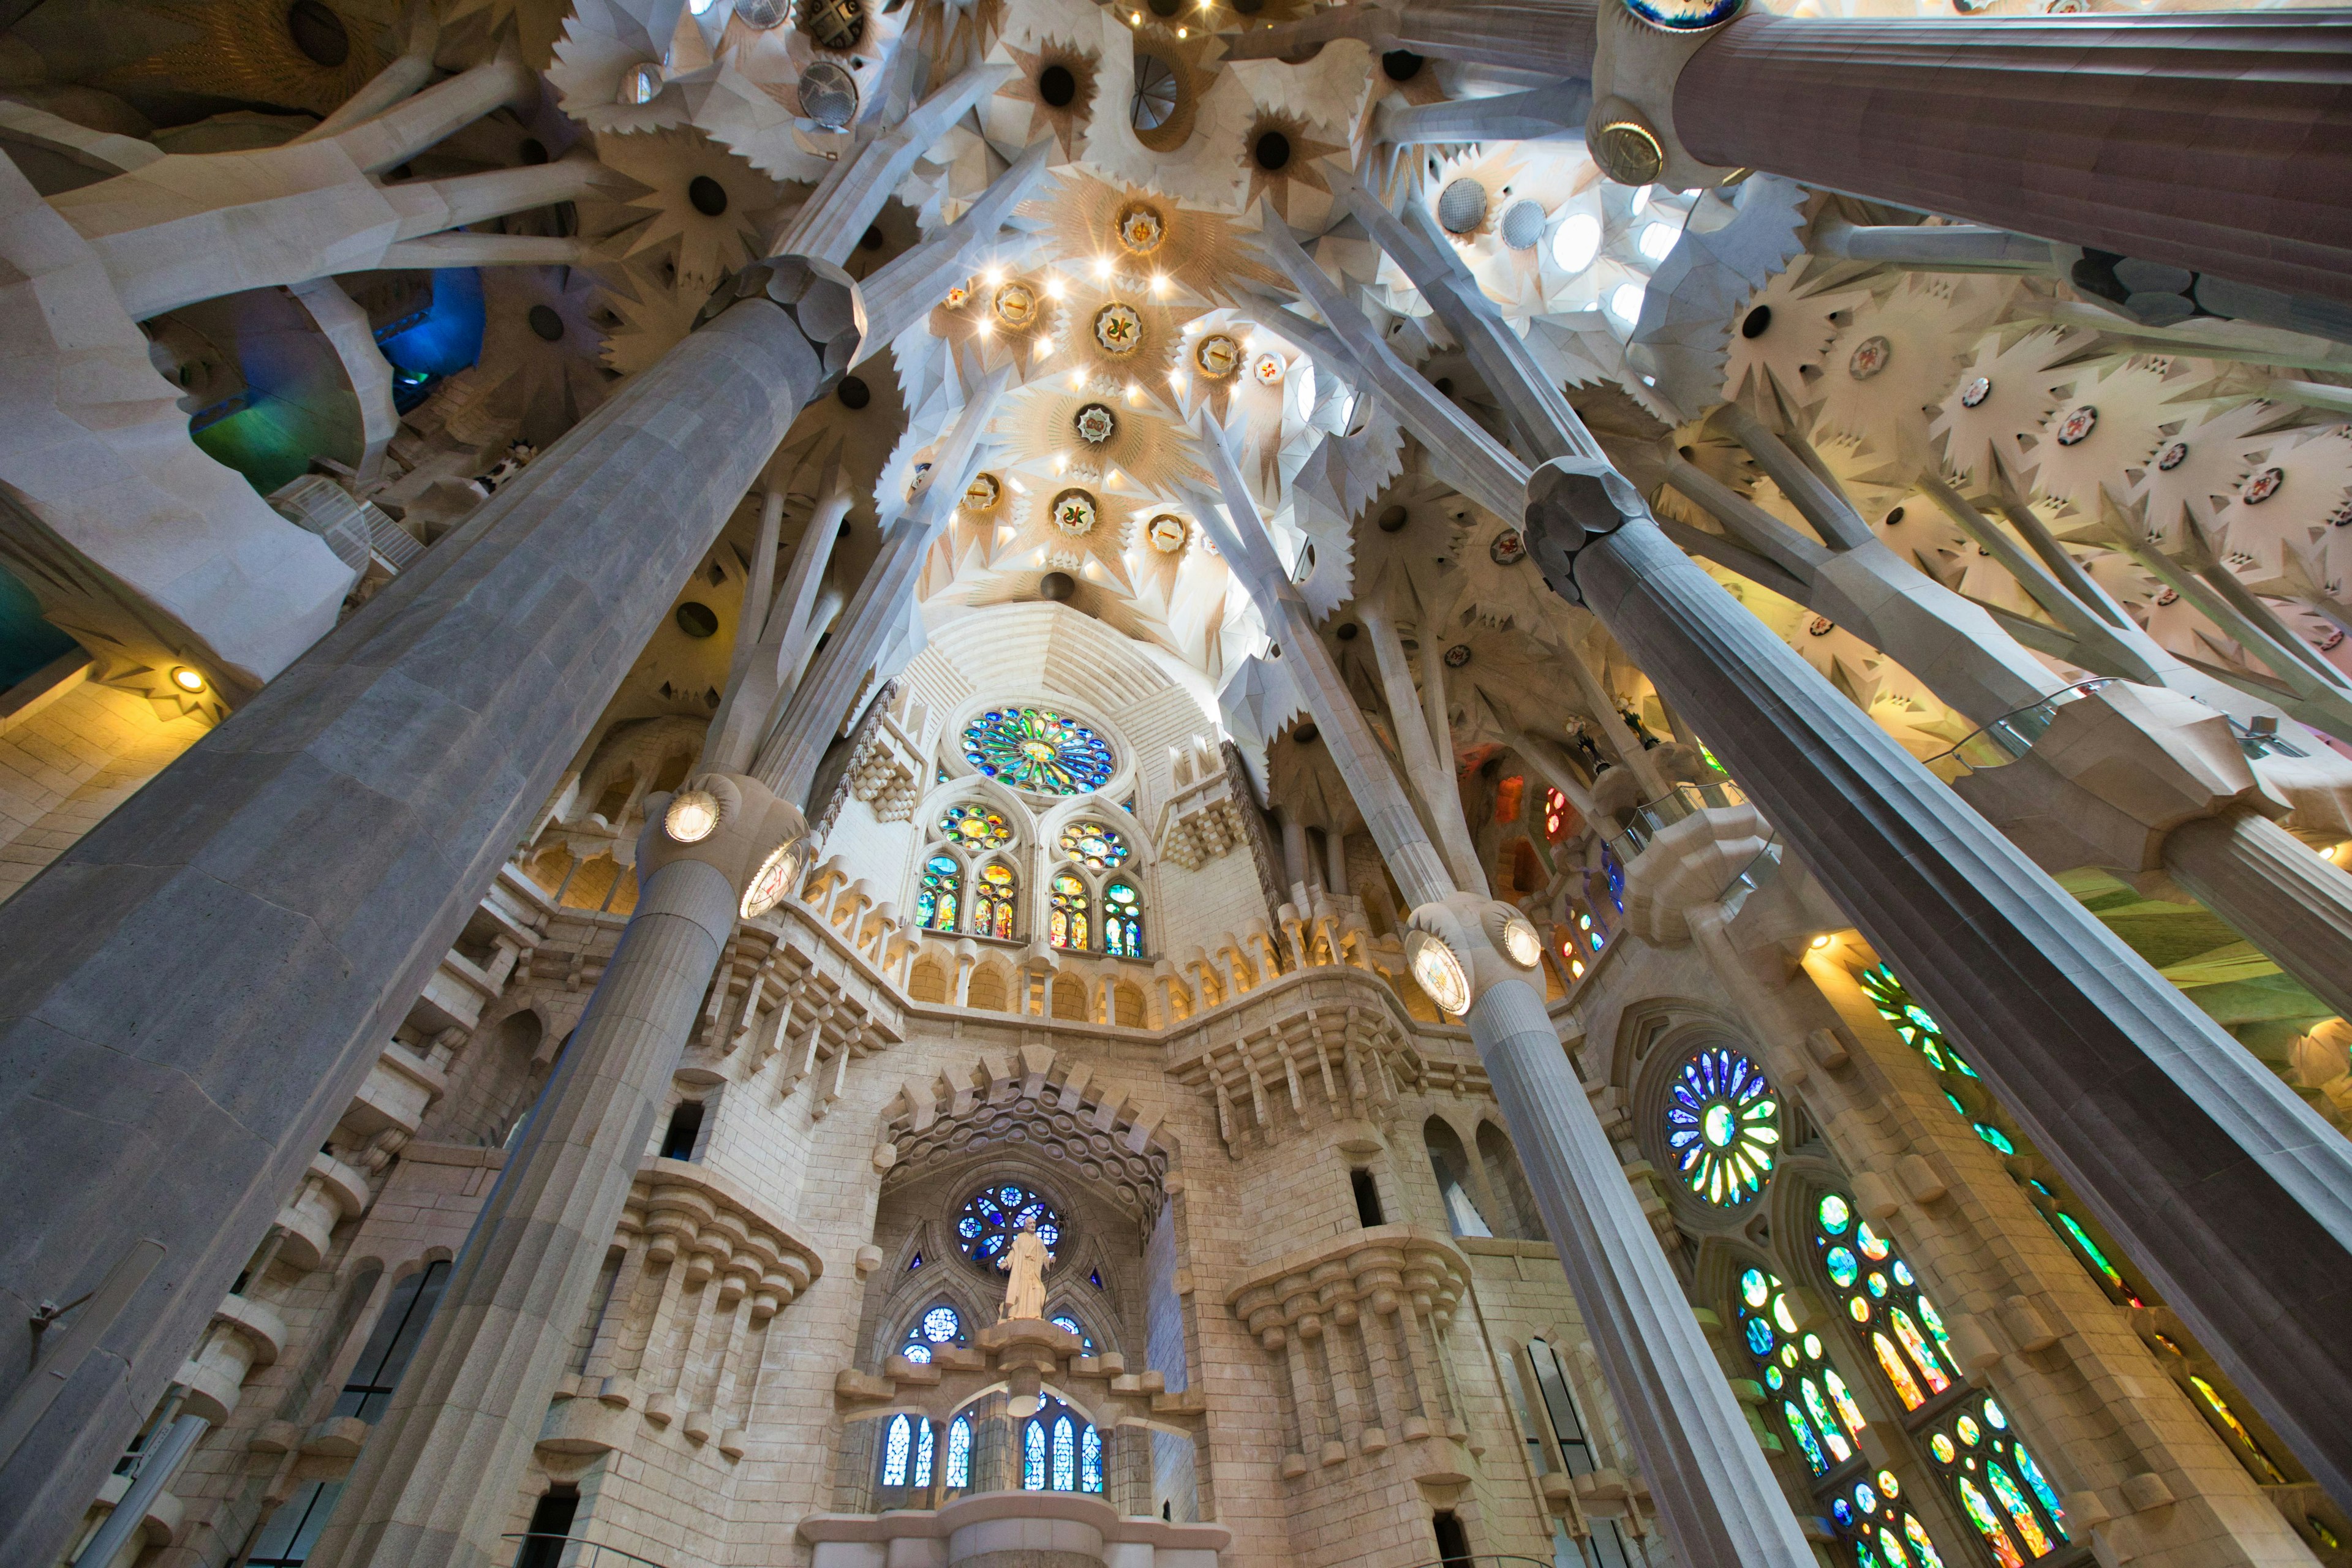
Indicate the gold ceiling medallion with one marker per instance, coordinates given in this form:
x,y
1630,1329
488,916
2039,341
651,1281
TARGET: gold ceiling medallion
x,y
982,493
1218,356
1016,305
1140,228
1166,534
1628,152
1118,329
957,296
1074,513
1094,424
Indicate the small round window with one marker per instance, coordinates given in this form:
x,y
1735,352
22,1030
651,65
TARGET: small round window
x,y
994,1215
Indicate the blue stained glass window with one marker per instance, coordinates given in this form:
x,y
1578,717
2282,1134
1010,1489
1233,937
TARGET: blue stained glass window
x,y
1722,1125
1038,750
1090,1478
1122,921
1065,1441
894,1451
992,1215
959,1468
1033,1457
923,1456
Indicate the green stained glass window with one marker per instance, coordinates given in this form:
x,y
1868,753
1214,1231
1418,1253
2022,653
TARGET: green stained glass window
x,y
1122,921
1093,845
1038,750
976,826
1066,922
936,904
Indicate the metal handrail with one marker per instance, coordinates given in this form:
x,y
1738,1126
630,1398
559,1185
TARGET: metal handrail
x,y
2009,737
594,1555
1651,817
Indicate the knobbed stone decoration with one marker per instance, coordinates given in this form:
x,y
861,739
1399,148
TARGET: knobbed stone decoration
x,y
1571,502
822,299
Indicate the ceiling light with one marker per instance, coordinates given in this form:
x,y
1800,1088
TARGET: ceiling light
x,y
188,681
1078,378
1045,347
1159,283
1183,33
1102,265
1626,302
1822,942
1520,943
772,881
691,816
984,327
1657,240
1054,287
1576,242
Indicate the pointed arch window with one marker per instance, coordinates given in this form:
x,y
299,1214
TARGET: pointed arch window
x,y
1060,1452
1033,1457
940,1325
940,896
1122,921
1085,1339
898,1443
957,1469
993,894
1988,1467
1067,924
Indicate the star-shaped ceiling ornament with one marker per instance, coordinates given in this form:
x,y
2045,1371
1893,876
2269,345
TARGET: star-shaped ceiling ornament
x,y
1065,523
1278,156
1142,235
1057,80
1054,430
697,211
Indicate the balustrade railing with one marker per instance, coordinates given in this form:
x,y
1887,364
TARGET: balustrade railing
x,y
1651,817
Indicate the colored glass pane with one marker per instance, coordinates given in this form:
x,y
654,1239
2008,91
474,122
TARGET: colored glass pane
x,y
2229,1419
1908,1333
1033,1457
1835,1213
1122,921
1090,1467
1849,1412
1092,844
1981,1514
923,1454
1038,750
1818,1407
990,1216
2041,1485
1890,1362
897,1443
1893,1545
1066,922
1753,1290
958,1466
1917,1533
935,905
941,1324
2082,1238
1873,1246
1841,1266
2029,1529
1722,1124
1065,1457
1912,1022
1759,1336
993,898
1814,1458
917,1352
976,826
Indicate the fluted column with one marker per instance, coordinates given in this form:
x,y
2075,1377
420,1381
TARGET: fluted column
x,y
1713,1485
2217,142
2231,1192
2293,904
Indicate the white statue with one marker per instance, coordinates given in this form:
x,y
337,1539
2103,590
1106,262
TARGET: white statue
x,y
1025,1259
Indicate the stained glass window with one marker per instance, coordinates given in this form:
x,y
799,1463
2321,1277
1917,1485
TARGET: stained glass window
x,y
1995,1479
976,826
896,1443
923,1454
935,905
1722,1124
1066,922
1122,921
1815,1406
1033,1457
1094,844
1038,750
958,1466
992,1216
1870,1514
1090,1478
993,894
1555,815
941,1325
1065,1456
1064,1320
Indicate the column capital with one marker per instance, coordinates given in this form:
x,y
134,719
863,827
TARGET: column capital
x,y
1487,942
1640,47
1572,502
735,824
822,299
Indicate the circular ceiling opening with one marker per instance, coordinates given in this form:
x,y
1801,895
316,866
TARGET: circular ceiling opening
x,y
1401,65
853,393
1394,519
319,33
696,619
1057,86
1271,151
1758,322
1057,586
709,197
546,323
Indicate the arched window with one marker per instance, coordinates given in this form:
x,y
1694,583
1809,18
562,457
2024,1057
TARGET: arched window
x,y
1723,1122
906,1450
1093,845
1122,921
1069,925
1038,750
990,1216
940,1325
1060,1452
958,1472
1065,1321
937,904
1450,1162
993,894
1986,1465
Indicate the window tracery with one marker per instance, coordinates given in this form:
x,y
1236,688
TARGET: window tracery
x,y
1038,750
1722,1126
1060,1451
994,893
1094,844
940,1325
1068,922
991,1217
937,904
1122,921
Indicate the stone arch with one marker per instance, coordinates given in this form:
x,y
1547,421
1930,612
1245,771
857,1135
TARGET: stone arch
x,y
930,980
992,987
1068,997
1506,1183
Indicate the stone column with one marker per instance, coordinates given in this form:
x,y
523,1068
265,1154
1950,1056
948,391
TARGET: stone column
x,y
1423,766
2233,1195
2216,143
2293,904
297,875
436,1482
1713,1485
